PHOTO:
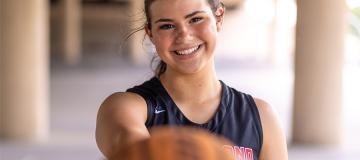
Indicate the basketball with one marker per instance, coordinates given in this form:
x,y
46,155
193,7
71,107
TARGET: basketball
x,y
176,143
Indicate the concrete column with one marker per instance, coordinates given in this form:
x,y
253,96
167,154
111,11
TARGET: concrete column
x,y
71,29
24,70
1,74
318,71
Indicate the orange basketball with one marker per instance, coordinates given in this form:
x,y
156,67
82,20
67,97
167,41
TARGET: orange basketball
x,y
176,143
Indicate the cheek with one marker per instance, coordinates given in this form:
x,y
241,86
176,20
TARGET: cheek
x,y
208,31
162,42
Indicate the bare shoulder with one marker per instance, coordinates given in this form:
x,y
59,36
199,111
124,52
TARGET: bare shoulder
x,y
120,100
123,107
274,140
123,98
121,104
120,120
265,109
269,118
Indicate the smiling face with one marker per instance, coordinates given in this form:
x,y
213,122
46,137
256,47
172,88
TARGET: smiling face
x,y
184,33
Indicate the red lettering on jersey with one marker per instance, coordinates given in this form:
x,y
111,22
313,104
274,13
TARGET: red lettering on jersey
x,y
249,154
239,153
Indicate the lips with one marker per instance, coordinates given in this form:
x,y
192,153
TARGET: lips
x,y
187,51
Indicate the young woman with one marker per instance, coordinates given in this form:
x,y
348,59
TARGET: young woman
x,y
186,90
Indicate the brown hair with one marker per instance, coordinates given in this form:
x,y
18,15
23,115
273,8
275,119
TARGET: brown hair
x,y
161,66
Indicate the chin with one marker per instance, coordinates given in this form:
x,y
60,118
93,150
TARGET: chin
x,y
191,70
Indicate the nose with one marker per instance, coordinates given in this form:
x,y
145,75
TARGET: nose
x,y
183,35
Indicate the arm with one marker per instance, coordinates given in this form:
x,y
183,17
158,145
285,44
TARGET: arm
x,y
274,141
120,120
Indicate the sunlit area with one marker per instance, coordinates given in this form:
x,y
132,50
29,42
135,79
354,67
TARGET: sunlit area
x,y
352,77
82,51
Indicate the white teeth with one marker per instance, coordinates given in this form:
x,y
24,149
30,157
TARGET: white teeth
x,y
187,51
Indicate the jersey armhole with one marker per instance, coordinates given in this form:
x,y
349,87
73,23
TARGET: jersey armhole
x,y
148,105
256,113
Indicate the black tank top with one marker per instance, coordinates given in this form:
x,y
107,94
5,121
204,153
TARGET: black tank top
x,y
237,117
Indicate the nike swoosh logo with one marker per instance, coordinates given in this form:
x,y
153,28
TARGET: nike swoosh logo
x,y
159,111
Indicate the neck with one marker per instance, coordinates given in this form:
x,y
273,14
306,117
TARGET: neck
x,y
192,88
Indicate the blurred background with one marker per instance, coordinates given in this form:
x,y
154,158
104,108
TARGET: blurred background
x,y
60,59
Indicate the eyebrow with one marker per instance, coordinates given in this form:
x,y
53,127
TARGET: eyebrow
x,y
187,16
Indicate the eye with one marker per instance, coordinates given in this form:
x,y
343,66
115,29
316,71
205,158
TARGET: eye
x,y
196,19
167,26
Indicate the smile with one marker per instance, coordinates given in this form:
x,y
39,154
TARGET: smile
x,y
187,51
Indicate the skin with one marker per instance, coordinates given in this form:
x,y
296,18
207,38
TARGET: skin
x,y
189,80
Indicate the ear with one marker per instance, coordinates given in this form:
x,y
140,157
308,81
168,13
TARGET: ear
x,y
148,33
219,17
